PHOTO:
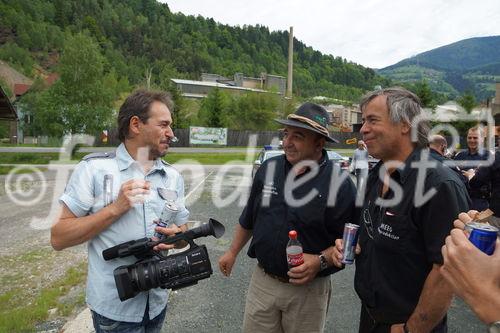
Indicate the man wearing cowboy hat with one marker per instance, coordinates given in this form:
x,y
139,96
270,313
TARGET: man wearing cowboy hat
x,y
295,191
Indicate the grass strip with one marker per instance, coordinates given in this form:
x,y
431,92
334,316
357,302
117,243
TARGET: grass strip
x,y
202,158
20,311
209,158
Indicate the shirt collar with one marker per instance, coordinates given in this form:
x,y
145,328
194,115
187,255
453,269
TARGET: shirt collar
x,y
406,169
321,162
125,160
480,152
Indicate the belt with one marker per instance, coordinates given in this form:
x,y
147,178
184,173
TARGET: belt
x,y
276,277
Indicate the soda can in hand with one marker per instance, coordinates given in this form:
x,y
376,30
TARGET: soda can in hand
x,y
350,240
483,236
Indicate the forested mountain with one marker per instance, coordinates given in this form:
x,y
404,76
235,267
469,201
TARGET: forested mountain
x,y
468,65
143,39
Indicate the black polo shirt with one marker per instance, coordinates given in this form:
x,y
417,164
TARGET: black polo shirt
x,y
316,223
401,242
489,176
448,162
464,156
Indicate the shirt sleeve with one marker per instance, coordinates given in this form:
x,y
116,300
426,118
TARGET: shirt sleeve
x,y
437,220
78,195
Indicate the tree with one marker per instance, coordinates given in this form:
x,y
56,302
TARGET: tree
x,y
81,100
213,109
424,92
254,111
467,101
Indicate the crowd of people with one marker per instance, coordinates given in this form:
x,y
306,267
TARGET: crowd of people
x,y
412,255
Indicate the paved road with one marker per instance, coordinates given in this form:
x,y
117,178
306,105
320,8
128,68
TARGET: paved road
x,y
215,304
97,149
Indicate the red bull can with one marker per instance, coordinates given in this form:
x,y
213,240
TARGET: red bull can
x,y
483,236
350,240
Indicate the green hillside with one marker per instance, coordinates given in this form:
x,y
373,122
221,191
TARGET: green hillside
x,y
144,36
469,65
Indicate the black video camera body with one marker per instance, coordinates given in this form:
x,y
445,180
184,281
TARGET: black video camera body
x,y
154,270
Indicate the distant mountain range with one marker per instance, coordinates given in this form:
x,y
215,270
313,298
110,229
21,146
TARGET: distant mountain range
x,y
468,65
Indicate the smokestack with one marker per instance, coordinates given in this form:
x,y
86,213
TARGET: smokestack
x,y
290,64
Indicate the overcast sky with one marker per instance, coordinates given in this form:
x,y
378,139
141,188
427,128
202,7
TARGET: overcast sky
x,y
373,33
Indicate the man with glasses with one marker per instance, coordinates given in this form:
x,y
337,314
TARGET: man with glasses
x,y
303,191
410,204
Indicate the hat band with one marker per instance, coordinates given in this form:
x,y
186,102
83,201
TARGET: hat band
x,y
309,122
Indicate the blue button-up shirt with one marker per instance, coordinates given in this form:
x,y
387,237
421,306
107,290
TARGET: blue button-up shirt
x,y
84,196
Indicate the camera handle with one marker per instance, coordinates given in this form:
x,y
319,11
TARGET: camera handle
x,y
192,245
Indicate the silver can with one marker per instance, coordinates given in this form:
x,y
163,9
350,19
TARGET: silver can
x,y
350,240
167,217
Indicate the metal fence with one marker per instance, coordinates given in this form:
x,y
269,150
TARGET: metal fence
x,y
243,138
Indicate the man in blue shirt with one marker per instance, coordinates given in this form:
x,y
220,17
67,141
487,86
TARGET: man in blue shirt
x,y
114,197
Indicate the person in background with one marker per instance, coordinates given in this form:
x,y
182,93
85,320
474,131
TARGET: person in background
x,y
437,149
489,176
473,275
438,146
360,161
134,176
280,299
468,161
397,268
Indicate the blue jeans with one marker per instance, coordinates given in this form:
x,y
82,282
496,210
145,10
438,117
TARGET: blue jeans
x,y
105,325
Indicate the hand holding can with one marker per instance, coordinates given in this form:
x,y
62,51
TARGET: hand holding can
x,y
482,235
350,241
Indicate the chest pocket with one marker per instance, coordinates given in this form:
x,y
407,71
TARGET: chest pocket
x,y
392,233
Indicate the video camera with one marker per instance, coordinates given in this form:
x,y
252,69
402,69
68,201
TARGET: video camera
x,y
155,270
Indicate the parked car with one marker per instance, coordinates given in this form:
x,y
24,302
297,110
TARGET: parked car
x,y
266,153
343,161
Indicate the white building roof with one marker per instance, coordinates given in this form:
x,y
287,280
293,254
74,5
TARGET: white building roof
x,y
214,84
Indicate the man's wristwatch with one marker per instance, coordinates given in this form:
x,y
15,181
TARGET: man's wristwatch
x,y
323,263
494,327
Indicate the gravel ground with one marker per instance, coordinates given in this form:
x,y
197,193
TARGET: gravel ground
x,y
213,305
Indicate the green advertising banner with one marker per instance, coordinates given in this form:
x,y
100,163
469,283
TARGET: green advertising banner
x,y
207,136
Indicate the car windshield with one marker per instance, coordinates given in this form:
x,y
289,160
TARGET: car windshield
x,y
273,154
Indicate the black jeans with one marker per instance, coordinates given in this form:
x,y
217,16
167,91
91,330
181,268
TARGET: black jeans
x,y
368,325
